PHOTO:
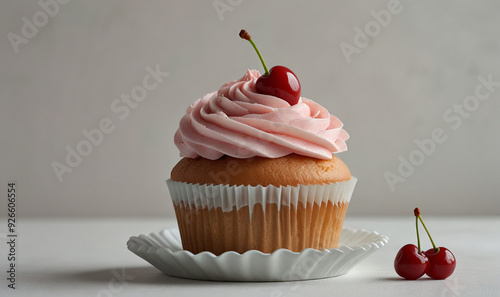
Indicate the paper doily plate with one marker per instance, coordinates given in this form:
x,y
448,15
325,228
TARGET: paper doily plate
x,y
164,251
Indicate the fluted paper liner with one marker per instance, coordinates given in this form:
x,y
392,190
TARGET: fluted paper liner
x,y
220,218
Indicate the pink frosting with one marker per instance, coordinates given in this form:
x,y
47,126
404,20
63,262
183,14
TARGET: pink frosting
x,y
238,122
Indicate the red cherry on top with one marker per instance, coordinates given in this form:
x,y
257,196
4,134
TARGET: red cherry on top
x,y
409,263
281,82
441,264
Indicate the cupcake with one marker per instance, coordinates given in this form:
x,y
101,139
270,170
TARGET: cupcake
x,y
258,171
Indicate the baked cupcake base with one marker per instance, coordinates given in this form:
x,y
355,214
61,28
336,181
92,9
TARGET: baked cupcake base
x,y
289,170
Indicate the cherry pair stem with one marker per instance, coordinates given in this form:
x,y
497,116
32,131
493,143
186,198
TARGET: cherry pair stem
x,y
417,218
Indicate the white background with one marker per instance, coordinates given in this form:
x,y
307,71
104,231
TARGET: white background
x,y
425,60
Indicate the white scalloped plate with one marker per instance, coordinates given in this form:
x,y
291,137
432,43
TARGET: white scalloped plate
x,y
164,251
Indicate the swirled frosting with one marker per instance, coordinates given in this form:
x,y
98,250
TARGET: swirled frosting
x,y
239,122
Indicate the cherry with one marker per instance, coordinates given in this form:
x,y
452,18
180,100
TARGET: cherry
x,y
279,81
411,263
282,83
442,262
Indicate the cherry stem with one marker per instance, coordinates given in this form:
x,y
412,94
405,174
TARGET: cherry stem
x,y
418,236
417,214
244,34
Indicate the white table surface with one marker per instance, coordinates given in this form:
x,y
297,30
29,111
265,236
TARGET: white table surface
x,y
88,257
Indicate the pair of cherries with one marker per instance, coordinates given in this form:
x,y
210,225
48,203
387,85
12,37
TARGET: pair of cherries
x,y
279,81
411,263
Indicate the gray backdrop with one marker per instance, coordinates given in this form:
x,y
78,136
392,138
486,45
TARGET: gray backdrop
x,y
87,126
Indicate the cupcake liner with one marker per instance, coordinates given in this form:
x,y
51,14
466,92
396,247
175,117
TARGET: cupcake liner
x,y
220,218
227,197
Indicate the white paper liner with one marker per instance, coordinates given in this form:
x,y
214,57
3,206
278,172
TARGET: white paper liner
x,y
227,197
